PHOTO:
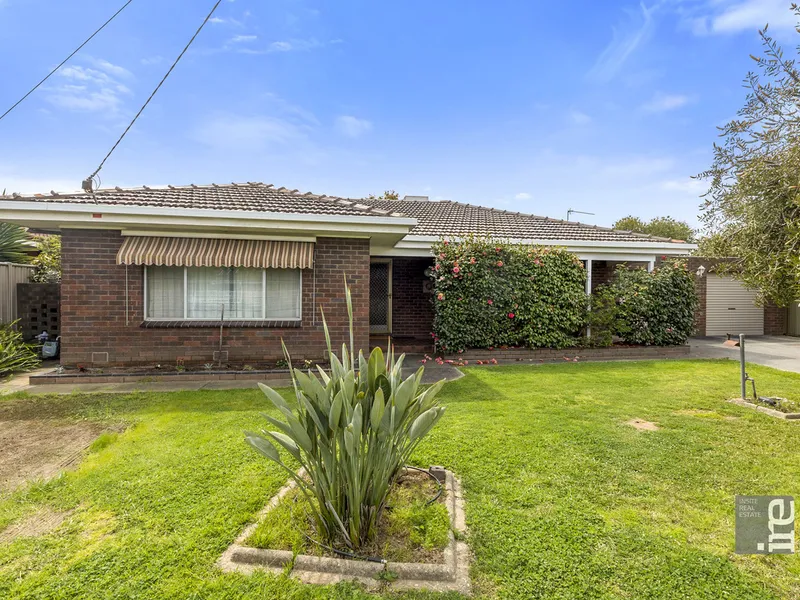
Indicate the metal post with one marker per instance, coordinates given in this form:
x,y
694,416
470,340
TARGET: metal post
x,y
741,361
589,292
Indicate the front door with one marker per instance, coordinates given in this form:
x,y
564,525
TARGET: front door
x,y
380,296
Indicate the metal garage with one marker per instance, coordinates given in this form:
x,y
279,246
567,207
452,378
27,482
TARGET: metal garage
x,y
731,308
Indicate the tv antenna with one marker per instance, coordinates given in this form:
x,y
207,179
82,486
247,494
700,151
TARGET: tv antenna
x,y
572,211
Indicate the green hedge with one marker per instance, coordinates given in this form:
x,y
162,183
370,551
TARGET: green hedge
x,y
654,308
489,293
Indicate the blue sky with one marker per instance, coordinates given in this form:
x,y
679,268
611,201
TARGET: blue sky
x,y
606,107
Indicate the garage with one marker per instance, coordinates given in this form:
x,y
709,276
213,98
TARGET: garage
x,y
731,308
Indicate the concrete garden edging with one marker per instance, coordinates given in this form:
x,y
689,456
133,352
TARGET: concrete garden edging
x,y
153,377
451,575
766,410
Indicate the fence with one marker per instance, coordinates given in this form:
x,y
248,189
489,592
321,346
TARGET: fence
x,y
10,275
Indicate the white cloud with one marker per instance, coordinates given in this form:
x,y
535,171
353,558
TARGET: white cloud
x,y
691,187
243,39
624,42
352,126
257,132
281,46
152,60
715,17
579,118
665,102
84,89
523,196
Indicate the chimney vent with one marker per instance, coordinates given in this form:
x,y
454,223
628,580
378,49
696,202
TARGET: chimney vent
x,y
416,199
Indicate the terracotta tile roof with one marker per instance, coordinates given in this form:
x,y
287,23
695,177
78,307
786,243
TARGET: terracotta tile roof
x,y
448,218
435,218
251,196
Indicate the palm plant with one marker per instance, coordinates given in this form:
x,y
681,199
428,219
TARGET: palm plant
x,y
14,242
352,431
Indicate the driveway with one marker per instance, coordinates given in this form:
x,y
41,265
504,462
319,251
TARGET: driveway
x,y
780,352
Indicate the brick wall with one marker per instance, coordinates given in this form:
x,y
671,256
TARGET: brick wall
x,y
38,309
412,311
95,317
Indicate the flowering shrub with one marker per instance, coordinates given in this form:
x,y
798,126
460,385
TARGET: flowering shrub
x,y
489,293
647,308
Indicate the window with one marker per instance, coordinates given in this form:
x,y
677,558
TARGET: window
x,y
200,293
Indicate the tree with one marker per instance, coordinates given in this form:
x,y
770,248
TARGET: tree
x,y
753,200
666,227
387,195
48,261
14,244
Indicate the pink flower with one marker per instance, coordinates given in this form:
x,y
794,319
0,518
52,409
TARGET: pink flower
x,y
499,263
510,315
446,243
441,255
437,267
494,361
440,297
489,302
498,249
456,270
472,260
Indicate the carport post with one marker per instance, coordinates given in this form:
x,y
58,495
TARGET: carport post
x,y
589,292
741,361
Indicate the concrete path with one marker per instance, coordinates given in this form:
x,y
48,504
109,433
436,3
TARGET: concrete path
x,y
779,352
20,383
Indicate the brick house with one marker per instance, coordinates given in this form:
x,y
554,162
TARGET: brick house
x,y
184,273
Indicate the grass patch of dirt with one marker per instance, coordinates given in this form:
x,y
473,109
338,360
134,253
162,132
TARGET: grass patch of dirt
x,y
411,528
38,524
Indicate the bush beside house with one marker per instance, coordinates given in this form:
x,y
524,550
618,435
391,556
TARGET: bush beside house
x,y
489,293
644,308
492,294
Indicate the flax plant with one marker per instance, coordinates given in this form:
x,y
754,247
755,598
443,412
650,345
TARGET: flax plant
x,y
352,430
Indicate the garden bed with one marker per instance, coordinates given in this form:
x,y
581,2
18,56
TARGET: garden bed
x,y
415,548
789,411
616,352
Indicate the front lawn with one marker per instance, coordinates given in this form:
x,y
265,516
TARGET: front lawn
x,y
564,500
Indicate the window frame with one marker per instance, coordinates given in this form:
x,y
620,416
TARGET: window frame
x,y
185,318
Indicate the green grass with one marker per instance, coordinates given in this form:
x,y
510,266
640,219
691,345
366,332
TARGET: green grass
x,y
411,529
563,499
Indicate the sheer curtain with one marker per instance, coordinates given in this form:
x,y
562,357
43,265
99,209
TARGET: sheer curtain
x,y
209,289
283,294
164,292
248,294
240,290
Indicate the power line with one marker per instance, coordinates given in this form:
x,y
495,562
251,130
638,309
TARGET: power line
x,y
61,64
87,183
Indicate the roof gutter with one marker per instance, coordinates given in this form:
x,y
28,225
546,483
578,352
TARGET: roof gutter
x,y
113,216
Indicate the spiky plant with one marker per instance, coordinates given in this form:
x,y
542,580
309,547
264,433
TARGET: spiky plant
x,y
352,430
15,355
14,242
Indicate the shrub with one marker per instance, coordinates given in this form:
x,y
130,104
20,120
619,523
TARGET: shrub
x,y
15,355
655,308
48,261
489,293
351,430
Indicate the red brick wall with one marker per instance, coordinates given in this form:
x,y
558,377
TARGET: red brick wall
x,y
93,309
412,311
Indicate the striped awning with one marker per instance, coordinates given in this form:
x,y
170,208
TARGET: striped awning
x,y
211,252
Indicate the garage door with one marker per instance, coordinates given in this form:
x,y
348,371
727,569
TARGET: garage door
x,y
731,308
